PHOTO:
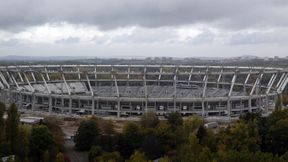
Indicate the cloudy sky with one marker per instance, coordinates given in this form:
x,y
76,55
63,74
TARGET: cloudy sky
x,y
140,28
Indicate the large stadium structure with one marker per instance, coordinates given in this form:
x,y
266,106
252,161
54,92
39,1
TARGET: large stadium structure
x,y
135,89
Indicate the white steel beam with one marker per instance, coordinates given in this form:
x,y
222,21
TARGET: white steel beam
x,y
14,80
258,80
66,85
283,84
89,84
232,84
47,75
271,82
190,75
45,83
4,80
280,80
27,80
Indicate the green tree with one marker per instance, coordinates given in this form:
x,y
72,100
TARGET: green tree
x,y
60,157
152,147
201,133
165,159
192,123
175,120
149,120
279,137
22,149
109,157
130,139
138,157
86,135
108,127
41,139
2,122
12,127
2,130
94,152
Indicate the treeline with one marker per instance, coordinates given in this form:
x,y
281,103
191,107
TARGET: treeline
x,y
41,142
252,139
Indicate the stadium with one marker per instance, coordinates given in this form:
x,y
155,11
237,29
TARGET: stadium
x,y
131,90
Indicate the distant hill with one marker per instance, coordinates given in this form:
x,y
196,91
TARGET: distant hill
x,y
39,58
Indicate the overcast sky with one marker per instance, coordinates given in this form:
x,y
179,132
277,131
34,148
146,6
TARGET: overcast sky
x,y
140,28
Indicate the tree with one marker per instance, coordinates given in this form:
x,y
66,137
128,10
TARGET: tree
x,y
175,120
138,157
279,137
109,157
2,130
192,123
152,147
2,122
94,152
60,157
130,139
108,127
12,128
149,120
86,135
22,148
165,159
201,134
41,140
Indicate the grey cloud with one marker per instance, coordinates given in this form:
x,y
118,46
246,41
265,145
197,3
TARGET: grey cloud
x,y
110,14
70,40
279,37
9,43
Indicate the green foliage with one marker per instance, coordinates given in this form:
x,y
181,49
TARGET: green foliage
x,y
12,128
201,133
279,136
149,120
2,122
58,135
175,120
23,149
41,140
109,157
107,127
192,124
94,152
138,157
252,138
165,159
250,117
86,135
152,147
2,130
60,157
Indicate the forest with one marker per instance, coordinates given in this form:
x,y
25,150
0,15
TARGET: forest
x,y
252,138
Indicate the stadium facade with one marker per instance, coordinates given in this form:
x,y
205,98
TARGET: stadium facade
x,y
135,89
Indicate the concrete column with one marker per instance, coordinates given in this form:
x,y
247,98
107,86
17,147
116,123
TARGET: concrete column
x,y
93,106
62,104
250,104
203,108
118,107
50,104
70,105
33,102
229,108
